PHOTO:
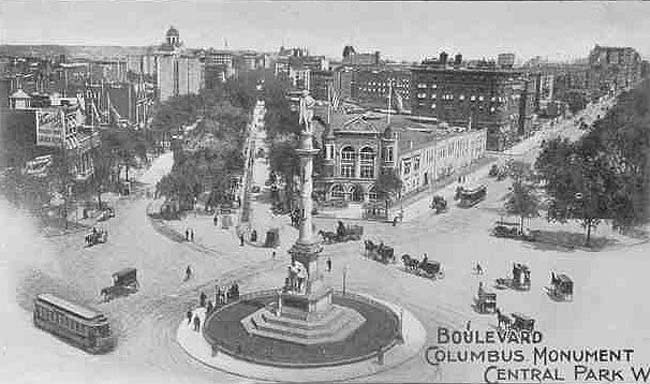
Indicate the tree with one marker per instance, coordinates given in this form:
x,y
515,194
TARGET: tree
x,y
522,201
63,179
103,162
578,183
388,184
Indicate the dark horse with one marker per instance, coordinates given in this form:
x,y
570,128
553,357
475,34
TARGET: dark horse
x,y
503,320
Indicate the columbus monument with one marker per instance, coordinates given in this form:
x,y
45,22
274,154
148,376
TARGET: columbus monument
x,y
303,312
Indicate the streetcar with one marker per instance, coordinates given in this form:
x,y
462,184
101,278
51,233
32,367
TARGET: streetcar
x,y
82,327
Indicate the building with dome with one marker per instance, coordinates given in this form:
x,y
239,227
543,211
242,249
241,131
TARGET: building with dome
x,y
178,72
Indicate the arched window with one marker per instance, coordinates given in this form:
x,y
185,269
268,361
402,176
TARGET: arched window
x,y
347,162
337,192
355,193
372,193
367,163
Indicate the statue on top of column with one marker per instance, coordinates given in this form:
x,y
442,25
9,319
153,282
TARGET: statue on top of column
x,y
307,104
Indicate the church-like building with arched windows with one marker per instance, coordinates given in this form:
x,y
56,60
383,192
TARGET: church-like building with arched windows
x,y
358,148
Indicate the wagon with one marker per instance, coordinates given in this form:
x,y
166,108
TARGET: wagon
x,y
125,282
485,302
522,322
561,287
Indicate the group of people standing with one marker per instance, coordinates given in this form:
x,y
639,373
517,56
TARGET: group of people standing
x,y
222,296
189,234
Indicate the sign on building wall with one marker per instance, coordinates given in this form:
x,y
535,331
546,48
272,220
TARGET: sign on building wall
x,y
49,128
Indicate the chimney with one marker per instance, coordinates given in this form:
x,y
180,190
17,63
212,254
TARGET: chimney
x,y
443,58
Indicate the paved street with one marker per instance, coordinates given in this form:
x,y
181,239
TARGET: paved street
x,y
146,322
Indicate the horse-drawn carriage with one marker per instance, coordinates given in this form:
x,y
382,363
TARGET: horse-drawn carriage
x,y
96,236
520,279
519,322
425,268
512,231
438,204
485,302
500,172
125,282
343,233
470,197
561,288
106,213
379,252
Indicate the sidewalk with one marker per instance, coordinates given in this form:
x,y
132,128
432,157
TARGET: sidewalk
x,y
198,348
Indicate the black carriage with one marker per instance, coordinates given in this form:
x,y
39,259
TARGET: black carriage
x,y
426,268
380,252
438,204
96,236
470,197
343,233
494,170
522,322
106,214
485,302
520,279
561,287
125,282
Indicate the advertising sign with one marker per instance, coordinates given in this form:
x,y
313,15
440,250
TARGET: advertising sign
x,y
49,128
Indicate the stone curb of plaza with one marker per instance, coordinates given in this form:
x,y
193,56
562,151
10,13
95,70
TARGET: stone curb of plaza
x,y
195,345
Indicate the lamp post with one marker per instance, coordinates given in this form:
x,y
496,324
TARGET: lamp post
x,y
345,273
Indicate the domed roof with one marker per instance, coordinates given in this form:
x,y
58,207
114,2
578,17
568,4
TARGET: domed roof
x,y
172,32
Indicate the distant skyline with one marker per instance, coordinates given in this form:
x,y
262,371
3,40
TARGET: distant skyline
x,y
401,31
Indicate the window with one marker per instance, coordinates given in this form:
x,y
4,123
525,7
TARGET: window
x,y
473,98
434,86
480,98
433,96
406,167
422,95
337,192
416,163
421,85
347,154
461,97
367,163
372,193
389,154
493,99
433,106
347,170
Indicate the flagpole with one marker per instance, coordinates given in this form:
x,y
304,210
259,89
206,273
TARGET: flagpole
x,y
390,93
329,102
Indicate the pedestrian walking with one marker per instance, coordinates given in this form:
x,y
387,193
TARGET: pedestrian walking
x,y
202,298
273,255
209,308
468,326
241,240
189,317
380,356
192,235
187,234
329,264
197,323
395,221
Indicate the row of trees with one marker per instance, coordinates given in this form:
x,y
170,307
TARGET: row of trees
x,y
603,176
211,156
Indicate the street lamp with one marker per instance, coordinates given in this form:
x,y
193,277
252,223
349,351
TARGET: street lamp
x,y
345,273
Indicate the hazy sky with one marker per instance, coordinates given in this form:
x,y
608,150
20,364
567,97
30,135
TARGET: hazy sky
x,y
406,30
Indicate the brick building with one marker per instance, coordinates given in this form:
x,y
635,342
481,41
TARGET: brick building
x,y
485,97
614,68
370,86
177,73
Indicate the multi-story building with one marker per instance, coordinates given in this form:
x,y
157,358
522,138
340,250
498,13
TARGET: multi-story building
x,y
614,68
177,73
358,148
371,86
506,60
352,58
28,132
320,83
485,97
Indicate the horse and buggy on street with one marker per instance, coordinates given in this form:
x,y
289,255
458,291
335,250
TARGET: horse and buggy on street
x,y
343,233
485,301
520,280
561,288
125,282
438,204
379,252
515,322
426,268
96,236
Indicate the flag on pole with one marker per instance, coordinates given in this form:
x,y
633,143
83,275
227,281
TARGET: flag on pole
x,y
334,98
